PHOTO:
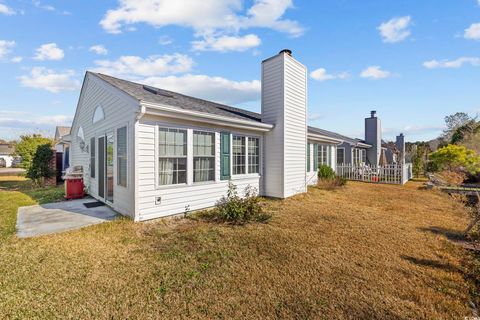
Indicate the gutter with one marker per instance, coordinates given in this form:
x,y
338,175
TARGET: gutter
x,y
174,112
324,138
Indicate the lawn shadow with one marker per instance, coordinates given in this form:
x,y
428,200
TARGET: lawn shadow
x,y
41,195
453,235
431,263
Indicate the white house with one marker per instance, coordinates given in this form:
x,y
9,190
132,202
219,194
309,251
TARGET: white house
x,y
6,154
151,153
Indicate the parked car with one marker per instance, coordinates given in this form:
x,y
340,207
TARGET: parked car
x,y
3,163
17,162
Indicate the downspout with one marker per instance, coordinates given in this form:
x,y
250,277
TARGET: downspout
x,y
140,115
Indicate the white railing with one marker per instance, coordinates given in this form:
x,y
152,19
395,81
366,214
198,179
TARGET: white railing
x,y
390,173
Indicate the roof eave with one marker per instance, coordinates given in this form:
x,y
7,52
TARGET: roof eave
x,y
174,112
323,138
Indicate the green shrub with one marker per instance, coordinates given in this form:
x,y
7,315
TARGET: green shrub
x,y
238,210
453,157
27,147
40,166
325,172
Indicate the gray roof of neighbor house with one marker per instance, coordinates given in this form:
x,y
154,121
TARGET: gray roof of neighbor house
x,y
335,135
6,149
155,95
61,131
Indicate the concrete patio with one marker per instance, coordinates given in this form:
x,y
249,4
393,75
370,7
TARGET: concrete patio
x,y
58,217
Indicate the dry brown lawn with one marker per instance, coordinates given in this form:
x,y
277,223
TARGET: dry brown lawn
x,y
364,251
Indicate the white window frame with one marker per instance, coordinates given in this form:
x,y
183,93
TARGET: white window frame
x,y
98,108
127,154
193,156
260,150
188,169
245,146
248,154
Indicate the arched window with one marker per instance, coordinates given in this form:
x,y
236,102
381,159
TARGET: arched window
x,y
98,115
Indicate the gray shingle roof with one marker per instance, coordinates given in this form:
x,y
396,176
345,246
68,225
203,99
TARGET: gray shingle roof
x,y
335,135
155,95
6,149
61,131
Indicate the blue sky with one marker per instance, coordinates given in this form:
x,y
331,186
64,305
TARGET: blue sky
x,y
412,61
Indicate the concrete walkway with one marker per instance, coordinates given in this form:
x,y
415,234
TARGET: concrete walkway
x,y
58,217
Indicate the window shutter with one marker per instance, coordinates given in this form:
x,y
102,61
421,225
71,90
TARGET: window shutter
x,y
308,157
92,157
315,157
224,155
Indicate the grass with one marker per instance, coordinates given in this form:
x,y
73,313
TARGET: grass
x,y
16,191
362,251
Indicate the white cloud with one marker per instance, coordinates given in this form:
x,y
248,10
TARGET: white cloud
x,y
206,15
321,74
46,79
16,123
315,116
99,49
5,47
213,18
227,43
395,30
472,32
6,10
49,51
17,59
165,40
375,72
211,88
457,63
134,66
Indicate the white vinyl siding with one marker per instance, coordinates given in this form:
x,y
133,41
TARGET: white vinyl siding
x,y
284,103
295,109
120,110
176,199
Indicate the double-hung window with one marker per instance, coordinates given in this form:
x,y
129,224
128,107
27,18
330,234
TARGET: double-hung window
x,y
238,155
253,155
172,156
322,154
122,156
340,155
203,156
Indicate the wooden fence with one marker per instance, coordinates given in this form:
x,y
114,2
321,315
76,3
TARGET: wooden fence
x,y
390,173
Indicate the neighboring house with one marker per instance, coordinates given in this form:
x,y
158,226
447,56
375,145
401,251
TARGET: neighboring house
x,y
6,154
150,153
62,148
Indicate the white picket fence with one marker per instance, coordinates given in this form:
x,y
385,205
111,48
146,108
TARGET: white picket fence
x,y
390,173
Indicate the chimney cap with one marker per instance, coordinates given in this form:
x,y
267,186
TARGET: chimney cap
x,y
287,51
373,113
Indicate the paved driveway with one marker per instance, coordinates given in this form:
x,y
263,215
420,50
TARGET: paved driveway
x,y
59,217
11,171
